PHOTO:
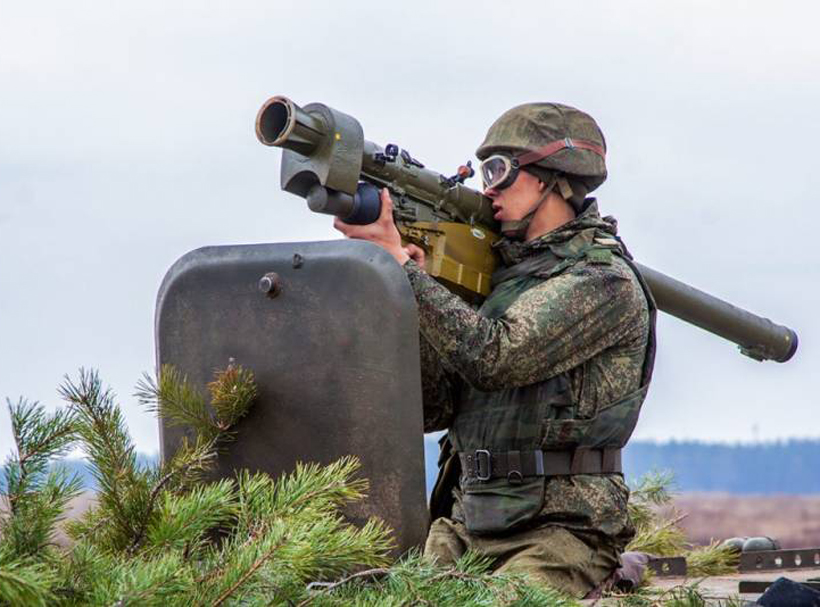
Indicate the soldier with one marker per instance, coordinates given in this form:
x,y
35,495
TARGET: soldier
x,y
541,386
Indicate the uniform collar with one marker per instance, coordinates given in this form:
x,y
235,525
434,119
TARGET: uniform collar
x,y
564,241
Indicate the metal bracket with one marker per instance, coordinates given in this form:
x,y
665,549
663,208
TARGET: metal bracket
x,y
668,566
776,560
409,160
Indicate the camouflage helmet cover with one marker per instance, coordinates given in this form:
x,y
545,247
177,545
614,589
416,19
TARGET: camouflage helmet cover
x,y
528,127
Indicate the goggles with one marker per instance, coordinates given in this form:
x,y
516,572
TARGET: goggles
x,y
499,171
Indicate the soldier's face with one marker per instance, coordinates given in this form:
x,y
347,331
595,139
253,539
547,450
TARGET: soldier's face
x,y
516,201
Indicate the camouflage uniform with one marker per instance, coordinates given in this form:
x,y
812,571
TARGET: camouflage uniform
x,y
558,359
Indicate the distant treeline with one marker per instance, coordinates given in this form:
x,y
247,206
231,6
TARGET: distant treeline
x,y
78,467
782,467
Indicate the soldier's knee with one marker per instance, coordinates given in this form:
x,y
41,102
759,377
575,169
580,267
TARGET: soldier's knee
x,y
557,558
443,542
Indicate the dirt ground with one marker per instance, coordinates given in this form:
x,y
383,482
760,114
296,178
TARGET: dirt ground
x,y
793,520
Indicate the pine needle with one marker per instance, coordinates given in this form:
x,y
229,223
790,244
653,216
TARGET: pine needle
x,y
25,584
124,488
419,581
659,537
233,390
658,530
36,495
711,560
179,403
655,488
176,401
683,595
655,534
164,535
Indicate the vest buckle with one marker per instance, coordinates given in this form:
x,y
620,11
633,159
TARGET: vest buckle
x,y
483,465
514,477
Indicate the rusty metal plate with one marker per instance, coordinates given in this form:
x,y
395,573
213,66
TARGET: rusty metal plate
x,y
334,347
775,560
667,566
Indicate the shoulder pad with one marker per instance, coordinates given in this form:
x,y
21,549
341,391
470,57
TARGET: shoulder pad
x,y
599,255
607,242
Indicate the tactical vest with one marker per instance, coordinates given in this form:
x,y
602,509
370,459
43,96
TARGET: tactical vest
x,y
505,444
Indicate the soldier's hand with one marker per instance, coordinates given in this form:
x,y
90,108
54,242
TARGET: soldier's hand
x,y
382,232
416,253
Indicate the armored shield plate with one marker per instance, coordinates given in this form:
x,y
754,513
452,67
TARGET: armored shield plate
x,y
334,349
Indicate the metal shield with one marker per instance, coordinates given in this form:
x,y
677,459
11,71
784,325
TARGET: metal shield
x,y
330,331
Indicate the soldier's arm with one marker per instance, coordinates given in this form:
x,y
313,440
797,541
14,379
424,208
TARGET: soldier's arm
x,y
436,388
550,328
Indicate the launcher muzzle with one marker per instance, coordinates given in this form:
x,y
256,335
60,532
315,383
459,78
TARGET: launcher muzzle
x,y
327,161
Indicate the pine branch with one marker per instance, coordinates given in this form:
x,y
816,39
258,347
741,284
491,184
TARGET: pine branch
x,y
173,398
162,536
176,401
221,565
38,437
161,581
233,390
654,488
123,486
24,583
367,574
657,524
714,559
660,534
316,541
420,581
91,522
660,537
183,521
172,474
325,487
682,595
84,570
189,463
249,572
143,524
31,528
36,497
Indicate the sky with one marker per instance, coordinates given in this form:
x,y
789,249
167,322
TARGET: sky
x,y
126,140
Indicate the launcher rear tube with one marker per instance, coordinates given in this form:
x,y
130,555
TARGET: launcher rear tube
x,y
757,337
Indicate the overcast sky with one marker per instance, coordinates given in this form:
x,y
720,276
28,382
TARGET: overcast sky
x,y
126,140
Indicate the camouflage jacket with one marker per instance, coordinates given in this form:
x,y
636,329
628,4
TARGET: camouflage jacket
x,y
496,376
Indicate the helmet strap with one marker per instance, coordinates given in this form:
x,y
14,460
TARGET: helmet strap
x,y
564,188
517,229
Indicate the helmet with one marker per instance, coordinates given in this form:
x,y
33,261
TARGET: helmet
x,y
550,136
754,544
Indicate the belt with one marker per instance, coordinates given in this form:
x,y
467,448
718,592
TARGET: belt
x,y
485,465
